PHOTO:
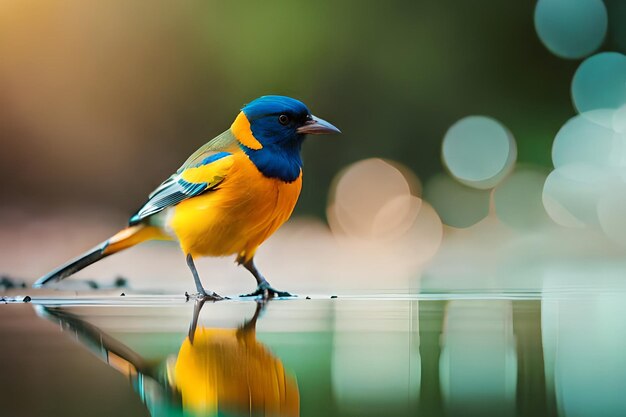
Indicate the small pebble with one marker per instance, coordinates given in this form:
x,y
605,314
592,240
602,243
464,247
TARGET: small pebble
x,y
27,299
121,282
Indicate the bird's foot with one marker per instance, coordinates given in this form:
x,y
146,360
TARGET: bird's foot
x,y
205,296
266,291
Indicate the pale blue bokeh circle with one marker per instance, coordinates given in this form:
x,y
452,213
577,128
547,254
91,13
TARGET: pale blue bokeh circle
x,y
571,193
600,82
582,140
517,199
479,151
571,28
457,205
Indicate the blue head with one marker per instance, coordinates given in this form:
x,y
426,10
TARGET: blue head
x,y
273,131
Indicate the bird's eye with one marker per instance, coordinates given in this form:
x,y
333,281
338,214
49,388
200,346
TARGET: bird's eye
x,y
283,119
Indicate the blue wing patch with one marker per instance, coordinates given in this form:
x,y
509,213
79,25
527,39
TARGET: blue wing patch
x,y
174,190
211,158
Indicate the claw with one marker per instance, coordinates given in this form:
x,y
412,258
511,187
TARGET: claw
x,y
205,296
266,291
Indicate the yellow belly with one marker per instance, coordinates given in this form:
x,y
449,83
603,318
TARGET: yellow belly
x,y
236,217
231,371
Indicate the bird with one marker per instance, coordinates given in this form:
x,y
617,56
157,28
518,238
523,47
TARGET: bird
x,y
228,197
216,370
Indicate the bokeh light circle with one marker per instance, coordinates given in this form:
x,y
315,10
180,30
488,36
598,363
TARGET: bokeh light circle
x,y
457,205
582,140
373,199
423,240
396,217
571,193
611,214
600,82
619,120
571,28
479,151
518,199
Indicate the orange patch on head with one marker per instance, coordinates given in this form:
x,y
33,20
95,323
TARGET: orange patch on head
x,y
243,133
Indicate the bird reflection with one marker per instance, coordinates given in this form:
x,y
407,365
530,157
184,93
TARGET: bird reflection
x,y
216,371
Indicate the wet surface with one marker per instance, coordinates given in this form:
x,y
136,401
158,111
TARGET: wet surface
x,y
549,353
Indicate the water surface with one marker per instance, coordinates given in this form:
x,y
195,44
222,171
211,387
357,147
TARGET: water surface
x,y
438,354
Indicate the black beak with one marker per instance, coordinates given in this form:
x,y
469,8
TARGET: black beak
x,y
317,126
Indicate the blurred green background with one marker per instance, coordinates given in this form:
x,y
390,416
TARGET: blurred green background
x,y
101,101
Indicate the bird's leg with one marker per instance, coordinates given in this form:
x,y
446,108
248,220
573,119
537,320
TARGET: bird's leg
x,y
263,288
197,307
250,325
202,293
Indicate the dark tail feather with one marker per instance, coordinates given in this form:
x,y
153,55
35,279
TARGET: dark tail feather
x,y
102,344
122,240
74,265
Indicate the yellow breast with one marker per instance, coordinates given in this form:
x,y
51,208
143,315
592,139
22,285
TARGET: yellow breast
x,y
228,370
238,216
